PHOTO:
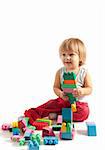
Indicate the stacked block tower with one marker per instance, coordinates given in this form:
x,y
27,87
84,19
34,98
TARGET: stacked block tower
x,y
68,85
67,129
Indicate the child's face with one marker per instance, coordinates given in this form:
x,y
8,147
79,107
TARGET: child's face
x,y
70,59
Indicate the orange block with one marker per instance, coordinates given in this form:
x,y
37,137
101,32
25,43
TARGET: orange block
x,y
63,128
73,107
69,81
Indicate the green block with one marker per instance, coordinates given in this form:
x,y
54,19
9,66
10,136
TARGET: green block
x,y
22,142
32,127
70,95
44,120
36,137
73,100
26,120
68,128
69,76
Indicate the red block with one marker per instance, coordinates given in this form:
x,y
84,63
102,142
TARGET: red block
x,y
5,126
40,125
47,131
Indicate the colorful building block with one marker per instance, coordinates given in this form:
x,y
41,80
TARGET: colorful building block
x,y
47,131
44,120
40,125
50,140
66,115
31,127
59,120
73,107
5,126
15,131
33,145
36,137
71,86
70,81
69,76
56,127
68,127
16,138
14,124
63,128
28,133
68,86
66,135
91,129
22,141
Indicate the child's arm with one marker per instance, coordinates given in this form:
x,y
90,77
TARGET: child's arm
x,y
57,87
86,89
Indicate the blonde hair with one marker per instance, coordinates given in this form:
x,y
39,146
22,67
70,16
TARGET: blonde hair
x,y
75,45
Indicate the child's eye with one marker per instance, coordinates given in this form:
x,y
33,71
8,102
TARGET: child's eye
x,y
63,54
71,55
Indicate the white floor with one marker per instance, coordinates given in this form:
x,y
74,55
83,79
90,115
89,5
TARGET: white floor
x,y
81,141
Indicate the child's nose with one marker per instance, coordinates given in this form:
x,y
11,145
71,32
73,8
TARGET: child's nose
x,y
68,57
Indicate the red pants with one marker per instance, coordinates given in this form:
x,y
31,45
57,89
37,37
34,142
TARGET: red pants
x,y
56,105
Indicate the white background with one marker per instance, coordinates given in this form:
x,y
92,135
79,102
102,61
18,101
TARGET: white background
x,y
30,35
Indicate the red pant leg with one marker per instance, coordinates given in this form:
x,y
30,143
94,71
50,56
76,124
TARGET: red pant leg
x,y
82,111
54,105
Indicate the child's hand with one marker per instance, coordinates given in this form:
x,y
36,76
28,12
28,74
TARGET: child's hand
x,y
63,96
78,92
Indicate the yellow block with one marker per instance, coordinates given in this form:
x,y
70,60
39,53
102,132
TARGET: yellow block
x,y
63,128
15,124
73,107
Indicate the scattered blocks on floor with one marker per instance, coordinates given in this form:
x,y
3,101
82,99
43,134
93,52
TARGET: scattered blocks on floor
x,y
16,138
66,136
91,129
5,126
22,141
50,140
47,131
36,137
16,131
40,125
33,145
44,120
59,120
24,133
56,127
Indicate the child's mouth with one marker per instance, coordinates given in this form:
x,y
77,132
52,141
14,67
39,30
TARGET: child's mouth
x,y
67,62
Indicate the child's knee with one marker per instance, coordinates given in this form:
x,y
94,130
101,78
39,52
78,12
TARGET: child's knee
x,y
82,113
85,113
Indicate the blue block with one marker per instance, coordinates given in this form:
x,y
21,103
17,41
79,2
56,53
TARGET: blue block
x,y
66,115
27,135
50,140
66,135
91,129
16,131
33,145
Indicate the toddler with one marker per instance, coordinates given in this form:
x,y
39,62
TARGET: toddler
x,y
73,56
